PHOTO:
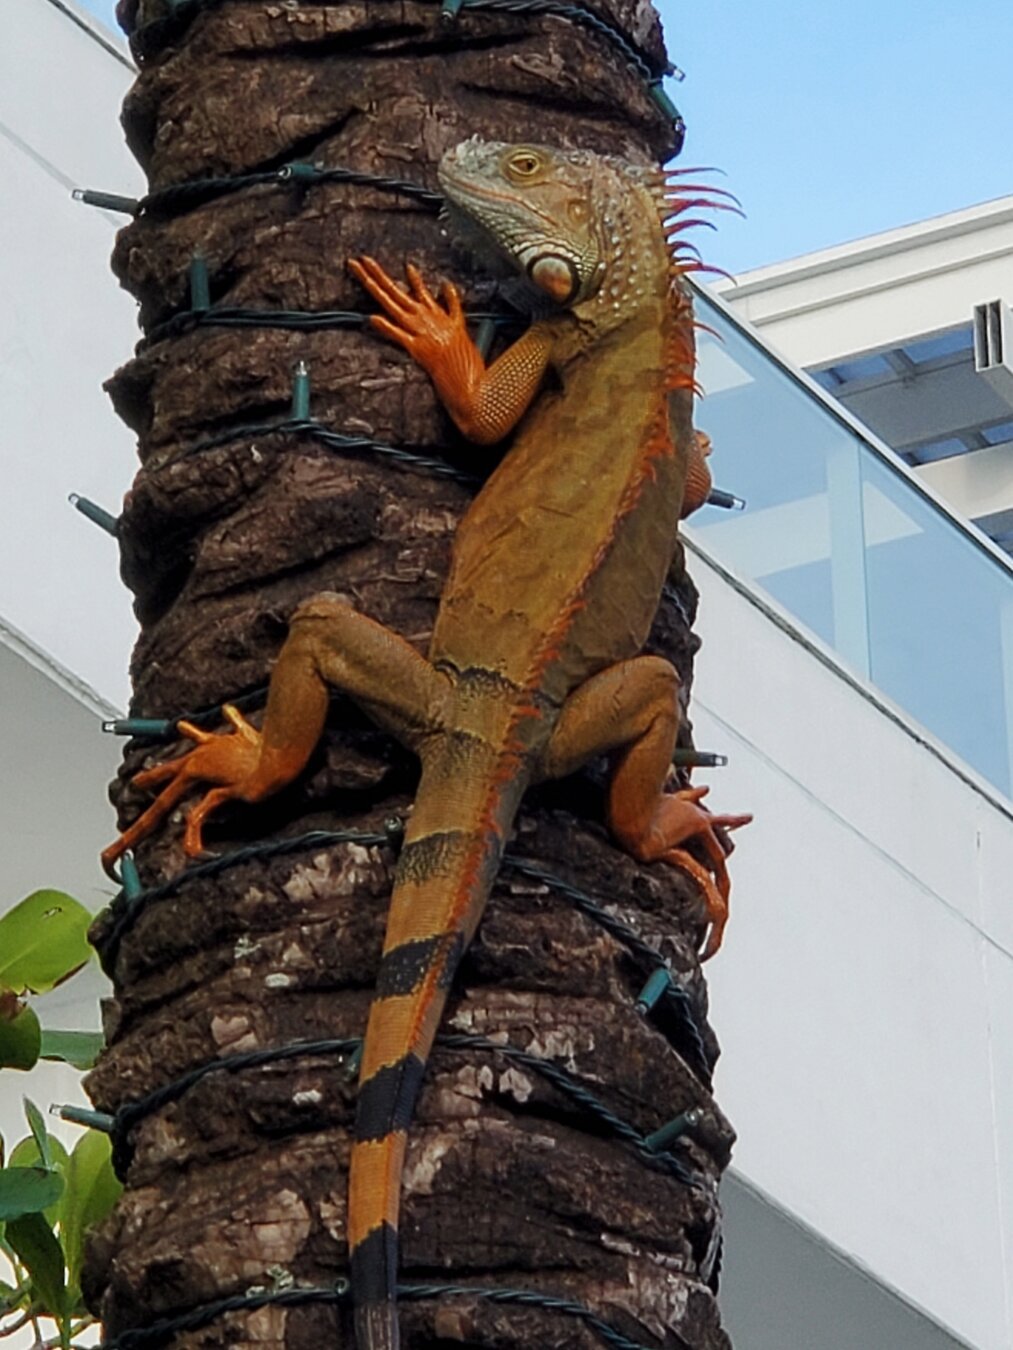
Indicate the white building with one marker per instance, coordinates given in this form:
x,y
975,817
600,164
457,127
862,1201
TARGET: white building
x,y
911,330
856,668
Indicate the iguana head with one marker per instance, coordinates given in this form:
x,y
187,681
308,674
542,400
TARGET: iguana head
x,y
543,208
581,227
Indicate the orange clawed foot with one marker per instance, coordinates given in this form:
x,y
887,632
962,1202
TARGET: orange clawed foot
x,y
429,332
230,760
679,818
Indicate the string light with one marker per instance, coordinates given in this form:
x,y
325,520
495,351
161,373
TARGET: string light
x,y
698,759
675,1130
301,392
200,285
726,500
98,515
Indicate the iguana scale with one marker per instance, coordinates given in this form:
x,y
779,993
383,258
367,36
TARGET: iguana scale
x,y
534,665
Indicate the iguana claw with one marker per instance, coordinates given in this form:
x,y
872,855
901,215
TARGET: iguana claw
x,y
228,759
415,320
681,818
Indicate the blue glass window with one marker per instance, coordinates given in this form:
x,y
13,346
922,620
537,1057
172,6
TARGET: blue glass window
x,y
951,343
929,451
862,368
999,433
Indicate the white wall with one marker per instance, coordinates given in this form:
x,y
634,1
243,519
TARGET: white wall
x,y
66,326
864,998
54,817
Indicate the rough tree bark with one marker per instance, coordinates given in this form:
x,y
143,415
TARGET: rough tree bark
x,y
507,1182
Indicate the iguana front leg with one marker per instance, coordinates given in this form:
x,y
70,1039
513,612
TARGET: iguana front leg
x,y
631,710
485,402
329,646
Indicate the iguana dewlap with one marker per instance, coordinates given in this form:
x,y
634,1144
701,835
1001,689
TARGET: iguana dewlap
x,y
534,666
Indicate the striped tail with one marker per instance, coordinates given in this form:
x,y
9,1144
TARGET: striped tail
x,y
444,876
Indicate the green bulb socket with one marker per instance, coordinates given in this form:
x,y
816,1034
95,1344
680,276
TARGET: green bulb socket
x,y
299,171
200,286
484,336
130,878
301,393
676,1129
353,1064
80,1115
698,759
657,92
658,984
726,500
98,515
450,9
156,727
107,201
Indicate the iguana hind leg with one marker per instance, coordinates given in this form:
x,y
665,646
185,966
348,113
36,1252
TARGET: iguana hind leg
x,y
330,645
631,711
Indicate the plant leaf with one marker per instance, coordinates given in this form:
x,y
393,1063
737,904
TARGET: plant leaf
x,y
92,1190
37,1125
39,1252
10,1298
26,1154
20,1038
28,1190
79,1048
44,939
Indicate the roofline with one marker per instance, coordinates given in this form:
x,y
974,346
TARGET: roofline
x,y
952,225
21,645
115,45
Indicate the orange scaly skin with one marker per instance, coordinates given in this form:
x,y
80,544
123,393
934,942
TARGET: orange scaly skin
x,y
534,664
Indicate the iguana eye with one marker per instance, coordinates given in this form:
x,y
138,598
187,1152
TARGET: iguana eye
x,y
523,164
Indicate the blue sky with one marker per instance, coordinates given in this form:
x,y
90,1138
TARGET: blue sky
x,y
836,120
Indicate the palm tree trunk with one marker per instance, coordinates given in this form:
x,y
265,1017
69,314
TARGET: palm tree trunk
x,y
513,1179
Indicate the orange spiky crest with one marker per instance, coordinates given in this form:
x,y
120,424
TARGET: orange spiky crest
x,y
673,198
675,194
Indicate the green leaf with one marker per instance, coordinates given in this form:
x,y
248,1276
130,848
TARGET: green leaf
x,y
10,1297
27,1190
37,1125
44,939
26,1154
92,1190
39,1252
79,1048
20,1037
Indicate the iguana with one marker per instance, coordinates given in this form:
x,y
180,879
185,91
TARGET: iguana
x,y
534,665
